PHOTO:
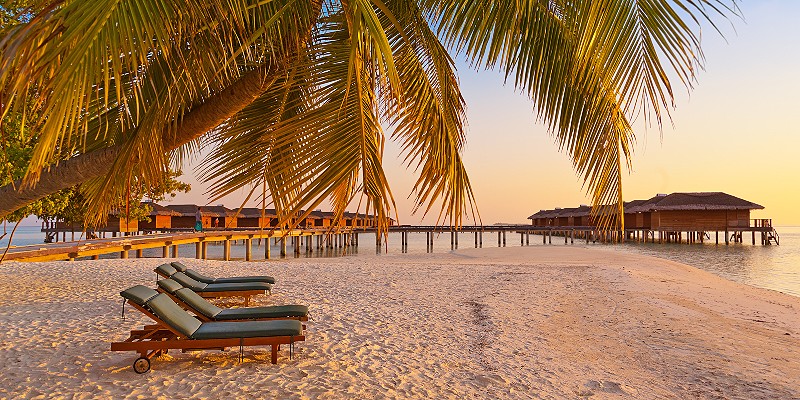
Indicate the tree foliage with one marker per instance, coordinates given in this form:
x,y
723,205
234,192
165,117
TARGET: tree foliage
x,y
331,76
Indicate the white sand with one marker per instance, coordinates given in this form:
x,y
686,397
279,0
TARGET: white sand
x,y
535,322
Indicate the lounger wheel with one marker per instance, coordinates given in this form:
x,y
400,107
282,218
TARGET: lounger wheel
x,y
141,365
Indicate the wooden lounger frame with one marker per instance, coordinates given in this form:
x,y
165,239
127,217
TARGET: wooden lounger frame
x,y
247,294
203,318
154,340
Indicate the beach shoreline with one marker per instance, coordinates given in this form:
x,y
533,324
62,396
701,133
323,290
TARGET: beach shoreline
x,y
516,322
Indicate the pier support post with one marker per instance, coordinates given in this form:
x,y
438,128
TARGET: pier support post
x,y
165,252
226,250
476,239
139,253
248,250
198,250
522,238
267,249
452,240
174,251
123,254
504,238
204,250
498,238
527,238
480,239
456,239
727,237
283,246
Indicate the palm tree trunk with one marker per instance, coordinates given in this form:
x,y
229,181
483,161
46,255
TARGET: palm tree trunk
x,y
194,124
96,163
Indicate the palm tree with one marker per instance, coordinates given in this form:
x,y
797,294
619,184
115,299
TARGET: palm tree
x,y
291,96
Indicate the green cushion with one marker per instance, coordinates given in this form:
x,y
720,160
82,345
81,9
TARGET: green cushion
x,y
198,303
184,280
247,329
291,310
179,266
198,276
234,279
166,270
253,278
237,286
173,315
139,294
169,285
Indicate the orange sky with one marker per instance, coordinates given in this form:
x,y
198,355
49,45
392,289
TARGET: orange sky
x,y
737,132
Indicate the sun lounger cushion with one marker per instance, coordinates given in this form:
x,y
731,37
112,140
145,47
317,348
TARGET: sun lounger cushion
x,y
166,270
207,279
237,286
204,307
234,279
179,266
169,285
290,310
139,294
172,314
246,329
198,303
184,280
190,283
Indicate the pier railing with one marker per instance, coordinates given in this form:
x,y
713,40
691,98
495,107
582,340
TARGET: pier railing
x,y
761,223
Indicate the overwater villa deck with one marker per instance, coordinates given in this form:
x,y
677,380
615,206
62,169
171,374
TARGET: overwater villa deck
x,y
669,218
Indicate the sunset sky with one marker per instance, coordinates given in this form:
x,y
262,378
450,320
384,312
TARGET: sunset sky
x,y
736,132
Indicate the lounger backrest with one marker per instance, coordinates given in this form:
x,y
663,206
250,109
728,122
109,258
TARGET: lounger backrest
x,y
173,315
139,294
184,280
198,276
166,270
169,285
198,303
179,266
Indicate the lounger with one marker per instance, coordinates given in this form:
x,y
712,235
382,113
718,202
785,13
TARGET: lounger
x,y
205,279
177,329
206,311
215,290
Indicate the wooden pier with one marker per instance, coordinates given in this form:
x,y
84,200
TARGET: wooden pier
x,y
305,239
308,240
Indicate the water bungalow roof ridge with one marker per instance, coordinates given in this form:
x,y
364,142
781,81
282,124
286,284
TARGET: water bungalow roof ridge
x,y
678,201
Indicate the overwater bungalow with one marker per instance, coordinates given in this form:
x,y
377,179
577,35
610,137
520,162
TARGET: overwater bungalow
x,y
186,216
704,211
251,217
160,218
672,215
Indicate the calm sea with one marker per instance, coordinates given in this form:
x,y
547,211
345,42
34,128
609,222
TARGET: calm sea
x,y
772,267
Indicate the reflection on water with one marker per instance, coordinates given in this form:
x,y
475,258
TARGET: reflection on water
x,y
772,267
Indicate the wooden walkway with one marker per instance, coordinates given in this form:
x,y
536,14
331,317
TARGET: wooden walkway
x,y
309,239
169,243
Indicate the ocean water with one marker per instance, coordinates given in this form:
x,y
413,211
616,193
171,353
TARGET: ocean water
x,y
771,267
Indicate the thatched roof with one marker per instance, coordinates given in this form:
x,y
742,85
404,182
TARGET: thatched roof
x,y
189,210
158,209
694,201
255,212
674,201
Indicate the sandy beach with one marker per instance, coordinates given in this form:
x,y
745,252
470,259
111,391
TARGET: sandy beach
x,y
524,322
